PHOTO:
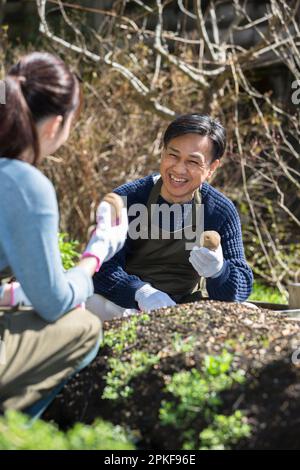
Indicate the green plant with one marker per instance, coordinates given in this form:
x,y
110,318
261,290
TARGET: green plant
x,y
183,345
264,293
69,250
198,392
224,431
17,433
126,335
121,373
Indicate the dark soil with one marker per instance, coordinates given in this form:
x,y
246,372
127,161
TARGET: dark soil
x,y
262,342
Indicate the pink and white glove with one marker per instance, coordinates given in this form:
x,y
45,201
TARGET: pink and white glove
x,y
207,263
149,298
106,240
12,294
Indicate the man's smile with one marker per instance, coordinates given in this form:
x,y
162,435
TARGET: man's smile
x,y
176,181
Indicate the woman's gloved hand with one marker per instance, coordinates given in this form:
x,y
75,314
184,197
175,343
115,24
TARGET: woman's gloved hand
x,y
207,263
149,298
12,294
107,238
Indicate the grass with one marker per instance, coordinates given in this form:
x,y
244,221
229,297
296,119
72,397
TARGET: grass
x,y
264,293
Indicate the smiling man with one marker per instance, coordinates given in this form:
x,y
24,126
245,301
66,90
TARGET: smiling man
x,y
159,271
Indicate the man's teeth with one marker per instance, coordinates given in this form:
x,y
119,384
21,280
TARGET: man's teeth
x,y
178,180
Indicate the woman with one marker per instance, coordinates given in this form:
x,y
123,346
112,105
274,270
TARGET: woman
x,y
43,346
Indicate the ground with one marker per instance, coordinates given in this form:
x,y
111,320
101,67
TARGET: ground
x,y
244,360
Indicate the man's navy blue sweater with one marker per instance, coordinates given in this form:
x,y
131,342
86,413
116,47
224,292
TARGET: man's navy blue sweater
x,y
235,280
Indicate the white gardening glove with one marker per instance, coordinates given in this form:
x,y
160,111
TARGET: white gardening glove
x,y
12,294
207,263
149,298
107,240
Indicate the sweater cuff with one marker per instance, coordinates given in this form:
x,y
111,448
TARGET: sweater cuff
x,y
219,273
222,277
82,284
130,292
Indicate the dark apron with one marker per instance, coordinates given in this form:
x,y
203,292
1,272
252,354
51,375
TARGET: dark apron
x,y
164,263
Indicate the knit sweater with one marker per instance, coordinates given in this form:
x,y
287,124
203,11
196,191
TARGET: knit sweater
x,y
234,283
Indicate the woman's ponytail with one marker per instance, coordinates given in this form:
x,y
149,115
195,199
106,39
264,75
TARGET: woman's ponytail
x,y
40,85
18,131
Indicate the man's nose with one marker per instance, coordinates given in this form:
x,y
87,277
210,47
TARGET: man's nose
x,y
180,167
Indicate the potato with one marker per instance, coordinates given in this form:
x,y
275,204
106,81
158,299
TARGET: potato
x,y
116,204
210,239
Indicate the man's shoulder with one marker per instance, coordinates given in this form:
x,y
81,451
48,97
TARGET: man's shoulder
x,y
139,189
217,201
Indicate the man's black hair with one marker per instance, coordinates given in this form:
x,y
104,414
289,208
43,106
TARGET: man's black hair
x,y
201,124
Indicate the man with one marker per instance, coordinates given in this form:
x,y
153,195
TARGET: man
x,y
151,272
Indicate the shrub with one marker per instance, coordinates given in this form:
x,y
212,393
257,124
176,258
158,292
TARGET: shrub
x,y
224,431
18,433
197,393
68,250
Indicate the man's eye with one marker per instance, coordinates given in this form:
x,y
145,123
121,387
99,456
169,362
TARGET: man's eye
x,y
172,155
195,163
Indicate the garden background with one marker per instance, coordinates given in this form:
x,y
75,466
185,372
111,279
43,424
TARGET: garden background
x,y
140,64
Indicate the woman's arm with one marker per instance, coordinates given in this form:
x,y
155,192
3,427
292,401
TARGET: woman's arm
x,y
29,228
13,294
28,234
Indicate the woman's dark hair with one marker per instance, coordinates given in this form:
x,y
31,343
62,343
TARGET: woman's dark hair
x,y
198,124
38,86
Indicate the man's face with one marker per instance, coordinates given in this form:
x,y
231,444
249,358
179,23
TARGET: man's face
x,y
185,165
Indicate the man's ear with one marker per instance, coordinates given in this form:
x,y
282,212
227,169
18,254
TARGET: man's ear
x,y
213,167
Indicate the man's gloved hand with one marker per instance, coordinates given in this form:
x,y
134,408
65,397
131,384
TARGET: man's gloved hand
x,y
107,240
207,263
149,298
